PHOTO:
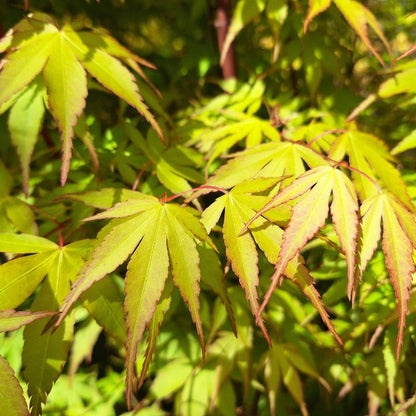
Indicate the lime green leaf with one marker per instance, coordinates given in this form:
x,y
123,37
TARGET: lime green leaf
x,y
371,157
20,277
390,364
19,214
171,377
10,320
145,280
66,84
358,16
104,198
184,260
276,159
127,208
211,275
44,355
28,61
344,210
111,74
195,395
190,223
309,215
82,347
242,253
409,142
116,246
398,250
154,327
12,401
398,245
315,7
291,379
25,122
273,377
105,304
24,243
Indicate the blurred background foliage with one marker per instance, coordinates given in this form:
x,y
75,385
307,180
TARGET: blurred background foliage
x,y
306,84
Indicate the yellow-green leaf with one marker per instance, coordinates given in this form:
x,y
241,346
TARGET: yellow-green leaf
x,y
12,401
24,64
10,320
24,243
20,277
184,260
66,84
315,7
146,275
25,122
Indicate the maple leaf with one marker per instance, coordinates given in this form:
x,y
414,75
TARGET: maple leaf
x,y
358,17
43,354
240,204
12,401
160,237
309,214
275,159
64,56
372,160
398,243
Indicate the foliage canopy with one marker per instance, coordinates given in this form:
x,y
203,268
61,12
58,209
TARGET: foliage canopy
x,y
263,188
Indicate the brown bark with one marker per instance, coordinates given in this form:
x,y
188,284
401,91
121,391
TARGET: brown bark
x,y
222,22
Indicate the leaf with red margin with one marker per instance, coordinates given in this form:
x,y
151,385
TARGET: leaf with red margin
x,y
309,214
12,401
398,244
10,320
315,7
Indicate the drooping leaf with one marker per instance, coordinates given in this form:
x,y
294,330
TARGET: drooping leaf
x,y
146,275
44,354
398,243
315,7
64,55
12,401
10,320
309,214
154,328
109,72
359,18
66,83
25,122
372,160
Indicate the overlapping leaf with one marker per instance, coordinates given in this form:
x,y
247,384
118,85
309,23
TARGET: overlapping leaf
x,y
238,127
358,17
43,354
173,166
12,401
240,204
372,160
161,236
275,159
309,215
398,243
64,56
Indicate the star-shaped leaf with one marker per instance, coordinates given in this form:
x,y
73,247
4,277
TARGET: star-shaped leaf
x,y
160,237
64,56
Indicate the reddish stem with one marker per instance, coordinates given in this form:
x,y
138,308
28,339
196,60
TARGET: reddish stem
x,y
222,22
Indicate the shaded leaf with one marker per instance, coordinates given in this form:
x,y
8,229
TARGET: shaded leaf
x,y
12,401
